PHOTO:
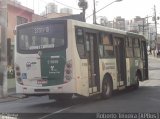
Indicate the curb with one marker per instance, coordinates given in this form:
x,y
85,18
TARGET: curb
x,y
8,99
19,96
12,97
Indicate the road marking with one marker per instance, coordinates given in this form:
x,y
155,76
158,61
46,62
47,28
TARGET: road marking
x,y
56,112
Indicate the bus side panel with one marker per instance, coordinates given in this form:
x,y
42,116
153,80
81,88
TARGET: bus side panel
x,y
71,88
108,66
80,66
84,88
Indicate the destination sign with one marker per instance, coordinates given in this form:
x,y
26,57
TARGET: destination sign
x,y
41,29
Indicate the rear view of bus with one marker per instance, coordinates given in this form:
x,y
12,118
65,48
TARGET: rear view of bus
x,y
40,59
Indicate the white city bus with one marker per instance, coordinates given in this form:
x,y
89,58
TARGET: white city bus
x,y
60,58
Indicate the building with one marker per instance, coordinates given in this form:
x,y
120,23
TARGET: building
x,y
36,17
137,25
16,14
141,26
56,15
66,10
51,8
119,23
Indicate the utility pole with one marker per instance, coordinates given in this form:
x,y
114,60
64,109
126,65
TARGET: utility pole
x,y
3,63
143,25
94,12
155,21
149,42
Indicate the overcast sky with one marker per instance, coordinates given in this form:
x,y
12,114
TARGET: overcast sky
x,y
127,9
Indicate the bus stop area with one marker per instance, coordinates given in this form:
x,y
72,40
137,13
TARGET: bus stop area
x,y
11,96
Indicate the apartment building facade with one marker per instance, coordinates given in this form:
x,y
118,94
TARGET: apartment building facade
x,y
16,15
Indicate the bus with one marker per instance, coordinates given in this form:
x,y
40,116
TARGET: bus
x,y
60,58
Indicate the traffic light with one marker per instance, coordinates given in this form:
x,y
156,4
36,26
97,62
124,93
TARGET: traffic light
x,y
83,4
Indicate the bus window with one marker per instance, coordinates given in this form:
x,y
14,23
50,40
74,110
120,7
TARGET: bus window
x,y
101,50
108,51
52,42
106,46
129,48
136,45
40,36
87,45
80,42
44,41
24,42
130,42
59,42
33,41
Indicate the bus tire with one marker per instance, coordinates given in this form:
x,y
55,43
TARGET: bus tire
x,y
107,88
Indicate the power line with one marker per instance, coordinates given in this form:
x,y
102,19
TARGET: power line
x,y
62,4
66,5
100,9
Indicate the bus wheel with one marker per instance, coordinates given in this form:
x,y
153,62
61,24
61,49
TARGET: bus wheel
x,y
107,88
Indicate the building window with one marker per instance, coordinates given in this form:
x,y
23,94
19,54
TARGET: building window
x,y
21,20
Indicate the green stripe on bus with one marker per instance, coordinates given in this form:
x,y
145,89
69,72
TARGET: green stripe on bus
x,y
52,67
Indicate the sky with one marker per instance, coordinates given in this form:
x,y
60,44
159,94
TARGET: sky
x,y
127,9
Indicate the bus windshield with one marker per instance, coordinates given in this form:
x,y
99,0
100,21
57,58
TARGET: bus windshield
x,y
36,37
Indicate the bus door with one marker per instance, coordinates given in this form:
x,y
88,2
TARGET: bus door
x,y
93,62
121,61
145,60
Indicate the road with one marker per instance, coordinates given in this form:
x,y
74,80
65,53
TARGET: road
x,y
145,99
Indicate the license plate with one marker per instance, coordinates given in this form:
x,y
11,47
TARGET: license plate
x,y
42,81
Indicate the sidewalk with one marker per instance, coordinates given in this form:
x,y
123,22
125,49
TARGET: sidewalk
x,y
154,57
12,96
